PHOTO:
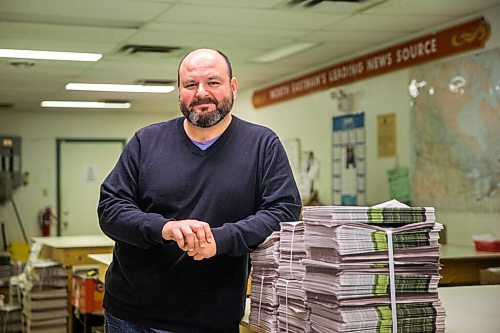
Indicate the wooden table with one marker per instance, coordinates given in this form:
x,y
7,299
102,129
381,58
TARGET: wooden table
x,y
471,308
468,309
72,251
461,264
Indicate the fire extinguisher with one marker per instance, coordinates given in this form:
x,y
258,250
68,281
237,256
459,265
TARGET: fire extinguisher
x,y
46,220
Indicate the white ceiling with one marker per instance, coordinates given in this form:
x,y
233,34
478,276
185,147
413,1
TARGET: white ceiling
x,y
241,28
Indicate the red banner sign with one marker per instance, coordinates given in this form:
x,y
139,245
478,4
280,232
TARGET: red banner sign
x,y
464,37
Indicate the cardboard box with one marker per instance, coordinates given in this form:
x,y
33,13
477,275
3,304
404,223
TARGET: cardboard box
x,y
489,275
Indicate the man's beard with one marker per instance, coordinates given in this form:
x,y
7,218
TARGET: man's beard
x,y
205,118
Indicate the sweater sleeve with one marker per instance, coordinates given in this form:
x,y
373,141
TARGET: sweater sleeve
x,y
279,202
120,216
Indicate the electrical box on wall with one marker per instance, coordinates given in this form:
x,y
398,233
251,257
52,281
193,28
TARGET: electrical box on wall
x,y
346,103
10,158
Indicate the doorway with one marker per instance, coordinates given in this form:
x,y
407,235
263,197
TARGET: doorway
x,y
82,165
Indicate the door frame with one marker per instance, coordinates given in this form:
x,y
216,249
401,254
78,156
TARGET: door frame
x,y
59,142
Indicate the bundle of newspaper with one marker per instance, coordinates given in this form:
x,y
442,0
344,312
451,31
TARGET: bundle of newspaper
x,y
411,317
263,297
292,250
369,266
347,286
293,314
389,214
364,244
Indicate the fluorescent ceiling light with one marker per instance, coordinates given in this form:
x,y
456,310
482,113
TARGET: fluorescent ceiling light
x,y
283,52
94,105
120,87
49,55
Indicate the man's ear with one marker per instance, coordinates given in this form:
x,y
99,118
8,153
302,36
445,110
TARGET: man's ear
x,y
234,87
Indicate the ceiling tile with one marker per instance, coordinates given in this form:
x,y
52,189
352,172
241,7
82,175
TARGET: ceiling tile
x,y
394,23
432,7
253,18
335,7
235,3
365,37
63,32
240,32
220,41
92,12
55,45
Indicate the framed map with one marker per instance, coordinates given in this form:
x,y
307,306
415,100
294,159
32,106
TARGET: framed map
x,y
456,133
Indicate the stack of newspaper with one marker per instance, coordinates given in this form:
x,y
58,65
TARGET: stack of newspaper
x,y
372,268
10,318
292,250
293,314
263,298
45,297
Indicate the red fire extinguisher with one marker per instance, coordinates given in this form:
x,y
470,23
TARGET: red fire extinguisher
x,y
46,218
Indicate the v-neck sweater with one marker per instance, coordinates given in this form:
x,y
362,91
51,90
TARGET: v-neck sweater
x,y
242,186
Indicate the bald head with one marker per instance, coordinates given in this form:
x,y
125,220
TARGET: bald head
x,y
202,55
206,87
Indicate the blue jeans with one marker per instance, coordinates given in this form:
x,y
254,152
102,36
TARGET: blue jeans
x,y
116,325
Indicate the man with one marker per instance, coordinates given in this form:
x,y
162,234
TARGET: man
x,y
187,201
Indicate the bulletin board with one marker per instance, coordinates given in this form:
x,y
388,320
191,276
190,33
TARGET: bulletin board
x,y
349,160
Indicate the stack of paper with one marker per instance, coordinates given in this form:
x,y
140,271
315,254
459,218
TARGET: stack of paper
x,y
411,317
347,286
293,314
45,297
292,250
10,318
45,309
371,215
5,274
263,298
352,252
366,244
49,274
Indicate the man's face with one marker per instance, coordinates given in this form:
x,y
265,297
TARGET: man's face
x,y
206,92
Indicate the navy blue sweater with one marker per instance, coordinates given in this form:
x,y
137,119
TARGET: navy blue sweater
x,y
242,186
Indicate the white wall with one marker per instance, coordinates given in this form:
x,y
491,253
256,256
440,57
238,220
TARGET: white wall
x,y
310,119
39,132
